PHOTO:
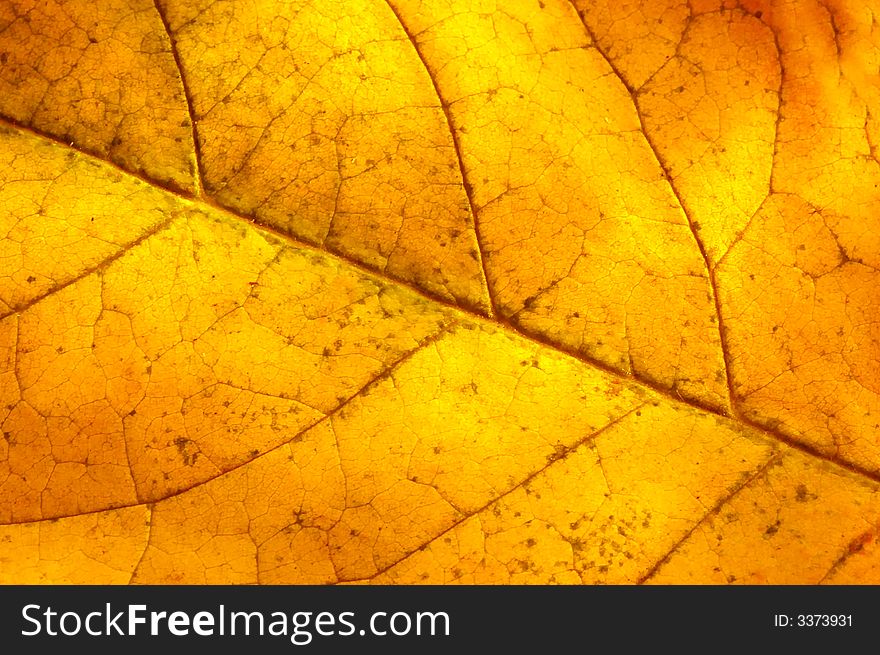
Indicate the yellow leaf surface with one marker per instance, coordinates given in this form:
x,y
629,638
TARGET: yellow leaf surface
x,y
415,291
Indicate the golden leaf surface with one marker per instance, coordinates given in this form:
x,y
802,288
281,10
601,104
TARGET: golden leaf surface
x,y
410,291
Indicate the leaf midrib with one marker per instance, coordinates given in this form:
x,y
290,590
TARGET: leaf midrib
x,y
193,202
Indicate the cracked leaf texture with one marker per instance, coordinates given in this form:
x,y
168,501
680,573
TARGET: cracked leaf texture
x,y
438,291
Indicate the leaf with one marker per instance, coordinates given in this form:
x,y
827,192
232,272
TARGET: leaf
x,y
404,292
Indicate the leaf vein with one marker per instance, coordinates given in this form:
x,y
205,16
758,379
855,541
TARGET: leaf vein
x,y
472,315
197,164
453,132
710,269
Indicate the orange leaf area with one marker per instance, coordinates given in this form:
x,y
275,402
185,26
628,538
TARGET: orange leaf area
x,y
423,291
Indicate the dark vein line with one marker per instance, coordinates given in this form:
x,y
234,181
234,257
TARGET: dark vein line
x,y
716,508
384,374
16,363
468,189
854,547
710,269
100,266
134,571
779,103
477,317
197,172
559,457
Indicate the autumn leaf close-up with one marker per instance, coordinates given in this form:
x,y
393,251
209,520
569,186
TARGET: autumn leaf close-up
x,y
439,291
